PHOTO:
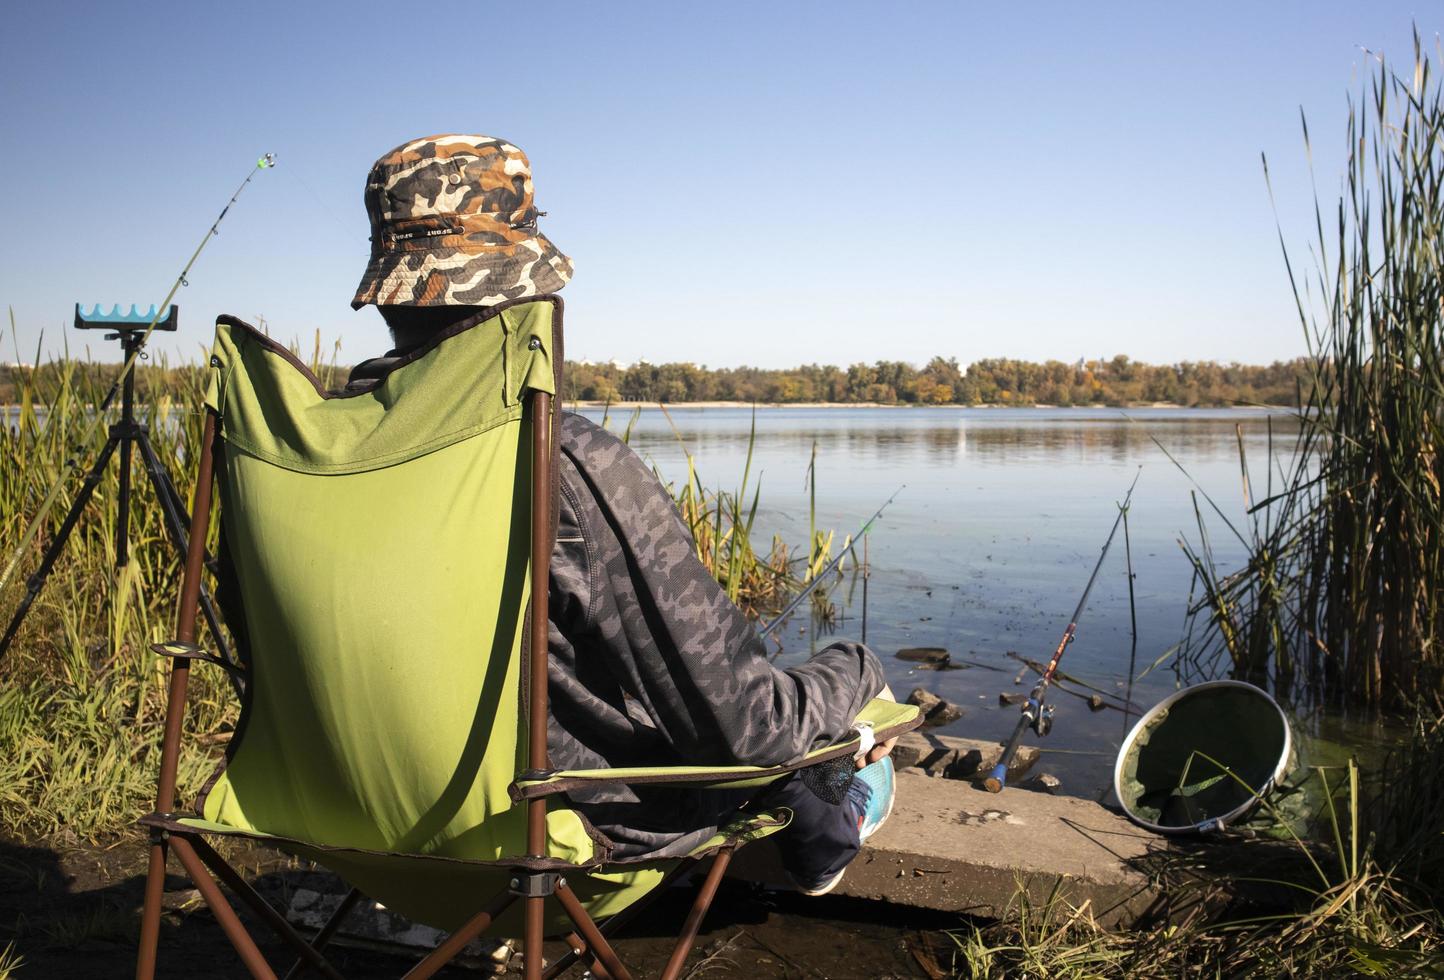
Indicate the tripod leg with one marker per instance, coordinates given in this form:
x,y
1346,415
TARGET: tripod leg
x,y
179,504
176,521
122,506
36,582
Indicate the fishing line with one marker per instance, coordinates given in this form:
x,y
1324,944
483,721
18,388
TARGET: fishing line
x,y
321,205
72,463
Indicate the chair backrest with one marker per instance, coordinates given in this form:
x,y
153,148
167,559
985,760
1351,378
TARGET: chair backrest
x,y
379,544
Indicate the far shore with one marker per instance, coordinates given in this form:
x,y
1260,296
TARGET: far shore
x,y
572,403
582,403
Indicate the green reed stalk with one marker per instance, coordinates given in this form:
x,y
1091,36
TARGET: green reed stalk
x,y
721,523
1343,590
1373,538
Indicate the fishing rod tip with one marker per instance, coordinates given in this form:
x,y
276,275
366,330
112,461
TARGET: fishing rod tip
x,y
266,160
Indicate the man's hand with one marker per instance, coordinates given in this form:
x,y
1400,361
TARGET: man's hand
x,y
881,749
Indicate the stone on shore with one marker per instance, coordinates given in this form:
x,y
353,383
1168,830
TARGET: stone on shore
x,y
957,758
936,711
1043,782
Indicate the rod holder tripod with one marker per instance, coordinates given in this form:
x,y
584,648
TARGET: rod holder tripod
x,y
125,434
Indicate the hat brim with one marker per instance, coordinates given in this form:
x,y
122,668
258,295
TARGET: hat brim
x,y
469,276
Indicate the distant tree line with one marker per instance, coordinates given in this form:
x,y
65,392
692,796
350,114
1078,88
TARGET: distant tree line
x,y
88,381
995,381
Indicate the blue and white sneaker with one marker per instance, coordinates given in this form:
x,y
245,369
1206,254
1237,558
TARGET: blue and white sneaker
x,y
870,797
819,888
881,780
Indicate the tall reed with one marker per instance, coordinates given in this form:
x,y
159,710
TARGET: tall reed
x,y
722,523
1343,591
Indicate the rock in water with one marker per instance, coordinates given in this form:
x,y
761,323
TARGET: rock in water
x,y
936,711
958,758
1043,782
932,658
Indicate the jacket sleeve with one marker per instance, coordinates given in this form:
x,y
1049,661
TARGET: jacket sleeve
x,y
672,638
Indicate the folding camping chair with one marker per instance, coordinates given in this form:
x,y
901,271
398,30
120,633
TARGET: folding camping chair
x,y
384,566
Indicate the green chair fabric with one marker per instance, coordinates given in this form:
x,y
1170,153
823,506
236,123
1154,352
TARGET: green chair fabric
x,y
380,543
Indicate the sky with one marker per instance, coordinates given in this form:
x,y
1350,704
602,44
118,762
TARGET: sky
x,y
738,183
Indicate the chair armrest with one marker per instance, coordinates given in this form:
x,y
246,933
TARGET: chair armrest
x,y
189,651
887,719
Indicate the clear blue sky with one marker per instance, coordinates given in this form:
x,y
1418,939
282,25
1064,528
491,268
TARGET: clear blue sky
x,y
763,183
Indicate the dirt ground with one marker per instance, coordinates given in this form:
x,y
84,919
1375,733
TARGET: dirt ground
x,y
73,911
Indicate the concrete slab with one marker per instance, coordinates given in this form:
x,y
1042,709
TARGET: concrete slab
x,y
952,847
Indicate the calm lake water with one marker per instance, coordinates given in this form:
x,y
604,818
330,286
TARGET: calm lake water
x,y
988,548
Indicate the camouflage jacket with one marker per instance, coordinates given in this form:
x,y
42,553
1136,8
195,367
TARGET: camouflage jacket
x,y
652,664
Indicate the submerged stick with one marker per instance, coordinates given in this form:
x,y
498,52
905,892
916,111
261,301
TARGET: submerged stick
x,y
1060,678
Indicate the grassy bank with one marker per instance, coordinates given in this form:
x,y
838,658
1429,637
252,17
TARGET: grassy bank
x,y
1351,892
81,695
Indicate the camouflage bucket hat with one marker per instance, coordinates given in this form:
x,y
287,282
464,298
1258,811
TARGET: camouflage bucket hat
x,y
453,224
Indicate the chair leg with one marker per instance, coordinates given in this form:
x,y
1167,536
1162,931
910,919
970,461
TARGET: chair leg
x,y
323,936
457,941
618,922
236,932
597,944
262,908
531,940
150,918
577,948
694,918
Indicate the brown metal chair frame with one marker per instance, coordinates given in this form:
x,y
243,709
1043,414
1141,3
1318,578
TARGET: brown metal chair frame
x,y
204,866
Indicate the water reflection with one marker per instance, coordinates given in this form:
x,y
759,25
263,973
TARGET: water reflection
x,y
938,436
988,548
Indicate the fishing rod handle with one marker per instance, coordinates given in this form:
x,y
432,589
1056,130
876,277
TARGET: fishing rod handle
x,y
998,778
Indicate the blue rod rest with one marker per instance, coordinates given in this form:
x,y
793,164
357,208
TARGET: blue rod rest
x,y
98,319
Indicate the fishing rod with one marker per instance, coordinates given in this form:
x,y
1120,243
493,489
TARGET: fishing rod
x,y
1037,715
852,543
72,463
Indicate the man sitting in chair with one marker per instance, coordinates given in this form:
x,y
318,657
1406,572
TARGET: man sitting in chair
x,y
651,664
